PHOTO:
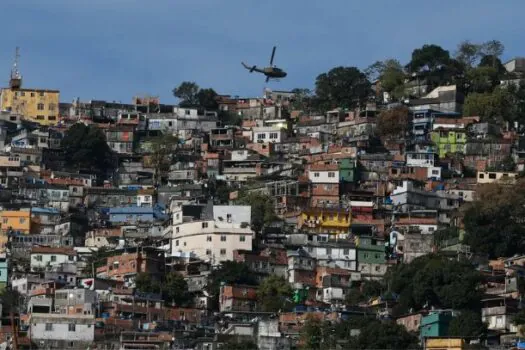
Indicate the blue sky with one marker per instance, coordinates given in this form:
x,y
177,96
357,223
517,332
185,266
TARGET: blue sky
x,y
115,49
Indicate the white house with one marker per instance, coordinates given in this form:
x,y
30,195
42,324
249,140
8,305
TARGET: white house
x,y
324,173
62,331
267,135
487,177
416,159
213,240
42,257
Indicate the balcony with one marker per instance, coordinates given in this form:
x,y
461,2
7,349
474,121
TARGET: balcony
x,y
494,311
239,170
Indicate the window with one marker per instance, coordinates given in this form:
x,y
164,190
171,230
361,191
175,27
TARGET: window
x,y
331,174
346,251
41,93
176,229
274,135
38,258
52,106
261,136
204,225
223,238
435,172
177,242
71,327
4,221
242,238
492,176
51,117
316,174
53,258
481,176
32,94
208,251
40,106
223,251
49,326
187,112
208,238
430,229
40,117
328,251
22,220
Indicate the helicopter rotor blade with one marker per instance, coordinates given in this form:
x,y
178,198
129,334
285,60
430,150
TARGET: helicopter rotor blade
x,y
273,54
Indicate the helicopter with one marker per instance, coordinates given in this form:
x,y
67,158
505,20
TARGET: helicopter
x,y
271,72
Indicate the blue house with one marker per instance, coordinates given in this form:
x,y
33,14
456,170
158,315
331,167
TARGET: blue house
x,y
3,272
131,215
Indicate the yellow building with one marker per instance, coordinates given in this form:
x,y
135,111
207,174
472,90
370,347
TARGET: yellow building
x,y
38,105
325,220
444,343
16,220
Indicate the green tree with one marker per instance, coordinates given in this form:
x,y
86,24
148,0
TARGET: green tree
x,y
482,79
187,92
302,99
345,87
236,344
434,280
86,148
274,294
442,235
207,99
229,118
488,61
428,58
467,324
468,53
229,272
312,334
383,335
496,106
393,122
494,49
493,223
175,289
363,292
161,150
145,284
263,211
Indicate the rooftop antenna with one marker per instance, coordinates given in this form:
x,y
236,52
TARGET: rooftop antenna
x,y
16,78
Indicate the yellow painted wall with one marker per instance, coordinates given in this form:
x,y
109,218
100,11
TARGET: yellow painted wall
x,y
328,221
17,220
37,105
445,343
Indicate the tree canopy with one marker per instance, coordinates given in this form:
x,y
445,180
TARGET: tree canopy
x,y
393,122
372,334
274,294
263,212
86,148
434,280
467,324
493,222
187,92
345,87
191,95
229,272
